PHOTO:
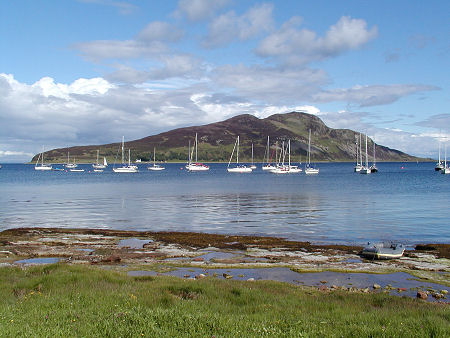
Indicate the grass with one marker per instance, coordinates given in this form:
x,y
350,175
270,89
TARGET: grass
x,y
62,300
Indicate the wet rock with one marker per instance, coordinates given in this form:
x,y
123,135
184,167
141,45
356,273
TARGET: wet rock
x,y
200,276
323,281
186,276
112,259
323,288
227,276
401,289
422,295
437,295
376,286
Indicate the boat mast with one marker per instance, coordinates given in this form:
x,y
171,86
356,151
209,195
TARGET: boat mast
x,y
360,150
289,145
309,148
237,153
123,141
367,161
196,146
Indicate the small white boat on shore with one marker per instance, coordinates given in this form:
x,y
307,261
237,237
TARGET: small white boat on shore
x,y
383,250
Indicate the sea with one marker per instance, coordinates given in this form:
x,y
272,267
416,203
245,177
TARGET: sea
x,y
406,202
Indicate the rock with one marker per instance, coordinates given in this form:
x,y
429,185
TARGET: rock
x,y
227,276
437,295
198,259
186,276
376,286
200,276
112,259
422,295
334,287
444,292
250,280
366,290
323,288
323,281
401,289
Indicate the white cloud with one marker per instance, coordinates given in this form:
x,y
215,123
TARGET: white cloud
x,y
227,27
196,10
160,31
299,46
371,95
271,85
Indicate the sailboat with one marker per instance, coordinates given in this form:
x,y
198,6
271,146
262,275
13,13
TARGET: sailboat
x,y
268,165
445,169
97,166
155,167
365,169
196,166
253,166
239,168
358,165
126,168
68,164
286,169
42,166
308,169
439,165
373,167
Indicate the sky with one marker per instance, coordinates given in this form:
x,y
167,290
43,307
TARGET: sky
x,y
86,72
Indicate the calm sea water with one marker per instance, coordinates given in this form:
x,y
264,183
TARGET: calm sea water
x,y
405,202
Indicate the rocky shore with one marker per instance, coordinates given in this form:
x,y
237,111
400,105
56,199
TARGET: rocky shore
x,y
132,249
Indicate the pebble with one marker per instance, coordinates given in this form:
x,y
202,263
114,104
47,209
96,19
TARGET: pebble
x,y
422,295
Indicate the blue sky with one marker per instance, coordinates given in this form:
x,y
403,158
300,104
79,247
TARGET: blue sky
x,y
89,71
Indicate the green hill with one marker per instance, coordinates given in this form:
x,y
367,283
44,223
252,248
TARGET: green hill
x,y
216,141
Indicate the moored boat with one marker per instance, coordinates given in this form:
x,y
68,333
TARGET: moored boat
x,y
383,250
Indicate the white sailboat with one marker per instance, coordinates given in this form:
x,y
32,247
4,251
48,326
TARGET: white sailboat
x,y
68,164
196,166
253,166
365,169
373,167
126,168
283,168
358,165
239,168
268,165
445,169
308,169
41,166
155,167
98,165
439,165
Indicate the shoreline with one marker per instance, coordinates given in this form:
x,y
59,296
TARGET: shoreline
x,y
141,248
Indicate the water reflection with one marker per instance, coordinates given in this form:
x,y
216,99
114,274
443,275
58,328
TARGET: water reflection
x,y
336,206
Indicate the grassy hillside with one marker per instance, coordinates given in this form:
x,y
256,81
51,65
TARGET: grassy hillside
x,y
216,142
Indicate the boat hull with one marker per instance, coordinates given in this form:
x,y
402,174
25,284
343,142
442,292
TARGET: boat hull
x,y
131,169
239,170
43,168
385,250
311,171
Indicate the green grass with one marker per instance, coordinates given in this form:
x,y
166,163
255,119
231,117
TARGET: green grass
x,y
66,301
